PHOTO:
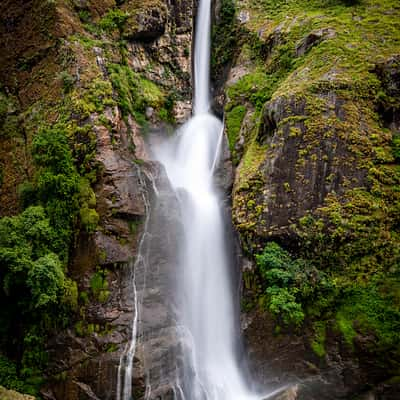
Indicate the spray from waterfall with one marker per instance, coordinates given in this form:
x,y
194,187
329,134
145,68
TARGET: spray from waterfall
x,y
207,312
206,329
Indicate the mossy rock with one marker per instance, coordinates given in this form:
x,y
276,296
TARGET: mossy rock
x,y
146,20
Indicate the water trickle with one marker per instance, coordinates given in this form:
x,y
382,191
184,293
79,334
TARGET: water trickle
x,y
125,368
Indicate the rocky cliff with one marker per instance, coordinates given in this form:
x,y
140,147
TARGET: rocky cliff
x,y
95,76
311,108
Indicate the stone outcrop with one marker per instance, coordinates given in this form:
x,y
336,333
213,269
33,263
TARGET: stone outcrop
x,y
305,131
56,50
314,38
12,395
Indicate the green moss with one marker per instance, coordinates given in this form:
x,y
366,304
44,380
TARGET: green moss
x,y
318,342
135,93
111,347
233,121
89,219
99,286
256,87
225,38
373,309
251,161
114,20
345,326
79,328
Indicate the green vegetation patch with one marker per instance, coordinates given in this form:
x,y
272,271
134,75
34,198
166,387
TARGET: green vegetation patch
x,y
99,286
318,342
135,93
233,123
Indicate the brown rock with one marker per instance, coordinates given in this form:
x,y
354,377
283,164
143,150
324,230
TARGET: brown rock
x,y
12,395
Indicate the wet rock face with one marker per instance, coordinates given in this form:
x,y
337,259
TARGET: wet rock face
x,y
389,74
160,351
287,359
160,34
147,21
299,169
85,361
313,39
133,197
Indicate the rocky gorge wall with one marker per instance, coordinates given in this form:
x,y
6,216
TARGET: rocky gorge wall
x,y
96,75
311,111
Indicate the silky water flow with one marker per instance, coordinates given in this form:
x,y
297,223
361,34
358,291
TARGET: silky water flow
x,y
206,312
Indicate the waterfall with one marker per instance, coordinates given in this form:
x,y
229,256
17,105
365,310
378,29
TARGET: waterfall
x,y
206,310
202,307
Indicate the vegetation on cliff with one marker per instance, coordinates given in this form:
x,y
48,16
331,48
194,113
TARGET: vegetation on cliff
x,y
312,120
65,76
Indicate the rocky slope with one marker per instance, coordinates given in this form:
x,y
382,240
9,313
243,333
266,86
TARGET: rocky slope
x,y
95,76
312,116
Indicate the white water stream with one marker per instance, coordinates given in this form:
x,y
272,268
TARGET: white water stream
x,y
207,318
207,310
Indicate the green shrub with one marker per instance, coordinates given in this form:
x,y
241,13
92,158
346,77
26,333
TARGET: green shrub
x,y
113,20
294,286
9,376
283,305
34,247
84,15
46,280
32,278
67,81
279,272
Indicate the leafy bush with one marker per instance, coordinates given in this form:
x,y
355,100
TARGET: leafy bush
x,y
113,20
34,247
294,286
28,260
45,280
279,273
8,375
283,304
67,81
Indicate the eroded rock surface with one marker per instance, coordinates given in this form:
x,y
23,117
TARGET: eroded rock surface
x,y
309,133
85,62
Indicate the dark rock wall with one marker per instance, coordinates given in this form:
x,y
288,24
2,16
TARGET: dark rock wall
x,y
305,127
54,53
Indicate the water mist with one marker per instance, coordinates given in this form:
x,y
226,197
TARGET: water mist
x,y
207,312
208,366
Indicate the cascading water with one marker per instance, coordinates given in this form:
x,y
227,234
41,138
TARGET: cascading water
x,y
206,310
206,365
